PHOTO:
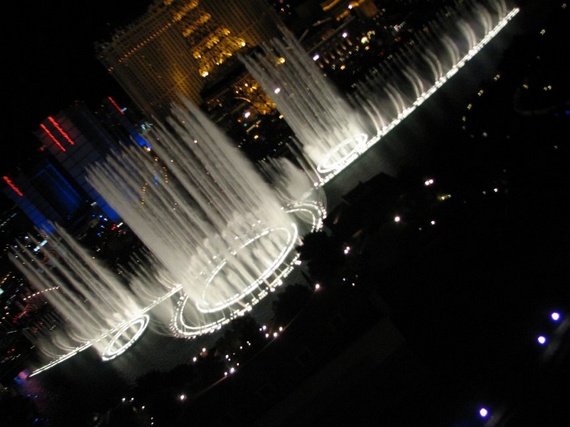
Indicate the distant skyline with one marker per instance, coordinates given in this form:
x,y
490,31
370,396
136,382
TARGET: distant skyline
x,y
51,63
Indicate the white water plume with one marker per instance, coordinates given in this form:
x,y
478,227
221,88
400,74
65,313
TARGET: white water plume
x,y
389,92
203,210
91,298
326,127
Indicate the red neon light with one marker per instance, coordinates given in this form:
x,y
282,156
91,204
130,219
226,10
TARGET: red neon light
x,y
58,127
13,186
53,138
112,101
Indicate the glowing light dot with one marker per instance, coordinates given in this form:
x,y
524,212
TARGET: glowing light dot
x,y
555,316
397,218
483,412
541,340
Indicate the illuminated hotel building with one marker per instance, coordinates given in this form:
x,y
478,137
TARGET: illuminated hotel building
x,y
125,125
178,44
342,9
44,194
77,138
54,187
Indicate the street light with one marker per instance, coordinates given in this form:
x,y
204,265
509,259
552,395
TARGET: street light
x,y
555,316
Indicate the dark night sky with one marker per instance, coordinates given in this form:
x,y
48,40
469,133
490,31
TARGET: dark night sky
x,y
51,62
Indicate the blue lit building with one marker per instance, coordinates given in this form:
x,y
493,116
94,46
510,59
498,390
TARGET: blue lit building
x,y
76,139
44,195
126,125
55,188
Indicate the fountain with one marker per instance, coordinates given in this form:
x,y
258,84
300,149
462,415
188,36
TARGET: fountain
x,y
331,132
327,128
221,236
216,227
99,309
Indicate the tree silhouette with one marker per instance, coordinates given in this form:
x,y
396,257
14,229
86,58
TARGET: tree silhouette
x,y
313,245
241,332
289,303
324,254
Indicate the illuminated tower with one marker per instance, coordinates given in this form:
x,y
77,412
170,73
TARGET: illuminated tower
x,y
77,138
177,44
44,194
53,188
